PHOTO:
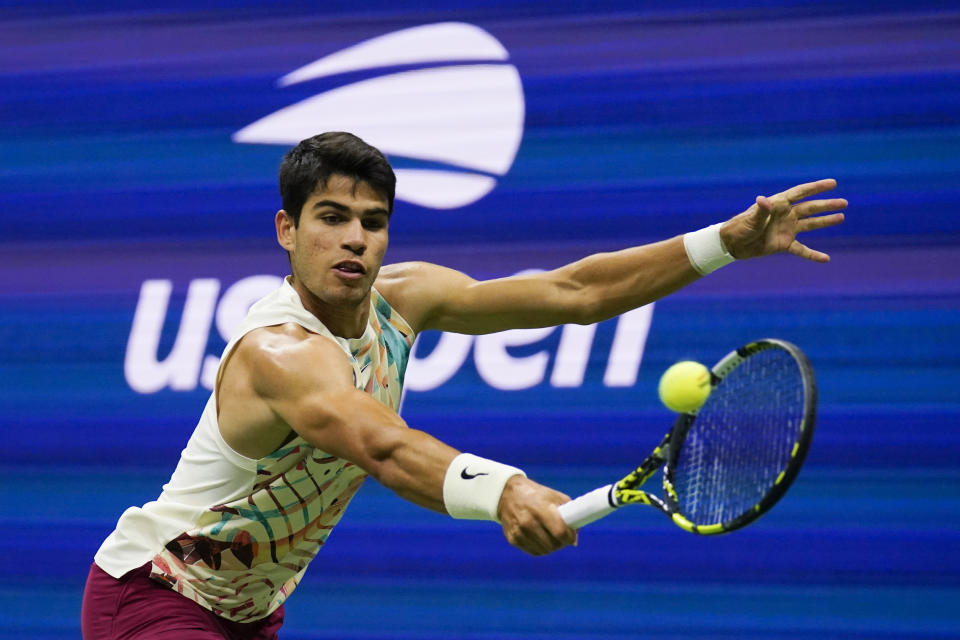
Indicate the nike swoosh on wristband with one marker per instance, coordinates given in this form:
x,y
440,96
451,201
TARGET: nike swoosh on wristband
x,y
471,476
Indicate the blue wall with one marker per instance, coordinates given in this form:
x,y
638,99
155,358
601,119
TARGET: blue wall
x,y
118,168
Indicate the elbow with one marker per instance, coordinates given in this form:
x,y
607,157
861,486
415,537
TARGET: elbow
x,y
581,300
586,308
587,304
384,455
407,463
390,477
591,312
573,301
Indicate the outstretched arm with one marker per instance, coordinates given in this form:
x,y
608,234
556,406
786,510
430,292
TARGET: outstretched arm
x,y
604,285
306,382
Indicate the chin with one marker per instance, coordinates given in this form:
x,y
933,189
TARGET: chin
x,y
338,293
349,293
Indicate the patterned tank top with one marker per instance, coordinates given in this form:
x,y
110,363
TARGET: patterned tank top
x,y
236,534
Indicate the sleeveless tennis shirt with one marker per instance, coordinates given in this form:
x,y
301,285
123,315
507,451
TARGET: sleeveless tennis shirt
x,y
236,534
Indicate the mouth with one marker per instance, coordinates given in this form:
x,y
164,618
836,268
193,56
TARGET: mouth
x,y
350,269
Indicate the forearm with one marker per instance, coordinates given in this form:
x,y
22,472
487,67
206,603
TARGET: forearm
x,y
427,472
589,290
351,424
608,284
320,404
412,464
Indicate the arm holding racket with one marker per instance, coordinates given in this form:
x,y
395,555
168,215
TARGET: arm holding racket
x,y
273,375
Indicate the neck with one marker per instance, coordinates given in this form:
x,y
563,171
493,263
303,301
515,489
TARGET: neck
x,y
344,319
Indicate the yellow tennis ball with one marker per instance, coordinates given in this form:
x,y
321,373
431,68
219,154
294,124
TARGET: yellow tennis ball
x,y
684,387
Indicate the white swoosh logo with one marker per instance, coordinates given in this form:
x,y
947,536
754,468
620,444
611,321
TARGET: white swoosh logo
x,y
468,116
442,42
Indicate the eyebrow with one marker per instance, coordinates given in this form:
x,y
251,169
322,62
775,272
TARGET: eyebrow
x,y
333,204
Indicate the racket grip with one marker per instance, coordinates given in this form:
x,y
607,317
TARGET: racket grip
x,y
588,507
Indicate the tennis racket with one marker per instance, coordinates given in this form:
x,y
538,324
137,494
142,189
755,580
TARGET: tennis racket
x,y
730,461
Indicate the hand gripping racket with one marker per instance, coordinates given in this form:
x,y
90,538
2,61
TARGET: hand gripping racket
x,y
729,462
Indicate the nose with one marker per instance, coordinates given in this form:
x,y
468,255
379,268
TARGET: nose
x,y
354,239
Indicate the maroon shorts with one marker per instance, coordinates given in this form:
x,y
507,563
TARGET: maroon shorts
x,y
137,607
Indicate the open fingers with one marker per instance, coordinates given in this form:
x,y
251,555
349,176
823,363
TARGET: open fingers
x,y
819,222
805,252
807,189
764,208
814,207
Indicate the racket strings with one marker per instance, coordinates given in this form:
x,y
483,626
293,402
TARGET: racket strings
x,y
741,440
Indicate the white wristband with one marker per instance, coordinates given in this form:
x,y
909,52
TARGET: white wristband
x,y
705,249
472,487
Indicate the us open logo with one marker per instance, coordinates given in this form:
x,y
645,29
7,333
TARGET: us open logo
x,y
208,307
464,114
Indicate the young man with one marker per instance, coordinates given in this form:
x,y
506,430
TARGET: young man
x,y
305,403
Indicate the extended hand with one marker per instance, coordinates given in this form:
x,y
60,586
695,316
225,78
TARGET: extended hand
x,y
772,224
530,518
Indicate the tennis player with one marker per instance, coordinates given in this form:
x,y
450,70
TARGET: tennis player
x,y
305,402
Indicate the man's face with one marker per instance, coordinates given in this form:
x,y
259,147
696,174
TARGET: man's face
x,y
338,247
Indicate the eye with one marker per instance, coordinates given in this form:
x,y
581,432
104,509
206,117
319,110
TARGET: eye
x,y
374,224
331,218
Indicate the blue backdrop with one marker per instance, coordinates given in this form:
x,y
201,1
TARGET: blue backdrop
x,y
136,224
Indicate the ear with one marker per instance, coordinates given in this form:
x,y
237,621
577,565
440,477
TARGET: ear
x,y
286,231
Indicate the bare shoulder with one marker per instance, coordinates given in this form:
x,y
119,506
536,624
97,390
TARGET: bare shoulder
x,y
418,289
288,356
273,367
401,276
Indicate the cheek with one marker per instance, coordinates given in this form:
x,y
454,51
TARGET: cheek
x,y
309,250
381,244
313,243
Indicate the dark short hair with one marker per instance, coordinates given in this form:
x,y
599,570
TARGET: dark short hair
x,y
311,163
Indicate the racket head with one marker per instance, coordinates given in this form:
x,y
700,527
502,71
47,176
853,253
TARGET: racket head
x,y
730,461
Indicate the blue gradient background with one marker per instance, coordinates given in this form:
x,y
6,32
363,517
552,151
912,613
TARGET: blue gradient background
x,y
116,166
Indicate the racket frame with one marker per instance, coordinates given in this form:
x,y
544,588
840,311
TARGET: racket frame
x,y
627,490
